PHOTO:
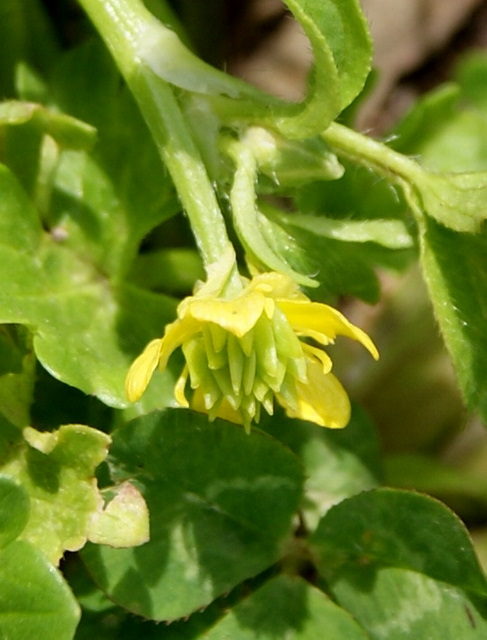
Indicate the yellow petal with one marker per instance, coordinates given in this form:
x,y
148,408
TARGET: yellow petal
x,y
320,355
238,316
141,370
179,388
321,400
175,335
323,323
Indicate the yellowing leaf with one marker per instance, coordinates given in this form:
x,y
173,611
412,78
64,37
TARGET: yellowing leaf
x,y
124,522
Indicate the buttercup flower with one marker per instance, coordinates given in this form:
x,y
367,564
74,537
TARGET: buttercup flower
x,y
244,352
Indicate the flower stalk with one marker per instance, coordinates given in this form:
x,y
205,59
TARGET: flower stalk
x,y
124,24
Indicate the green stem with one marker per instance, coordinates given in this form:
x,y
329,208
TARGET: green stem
x,y
371,153
123,25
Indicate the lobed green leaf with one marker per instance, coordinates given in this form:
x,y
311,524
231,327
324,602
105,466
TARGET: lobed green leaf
x,y
57,470
221,505
87,328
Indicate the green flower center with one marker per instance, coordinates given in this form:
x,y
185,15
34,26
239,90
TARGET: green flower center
x,y
246,371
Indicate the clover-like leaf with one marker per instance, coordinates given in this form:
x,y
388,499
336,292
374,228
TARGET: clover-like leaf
x,y
88,328
57,471
221,509
403,565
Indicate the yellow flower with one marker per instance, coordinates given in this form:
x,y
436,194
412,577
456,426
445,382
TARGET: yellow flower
x,y
244,352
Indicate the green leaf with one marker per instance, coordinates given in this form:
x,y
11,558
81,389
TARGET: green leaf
x,y
397,603
66,286
103,620
456,273
340,27
339,37
14,510
286,607
124,522
425,125
87,328
392,234
341,254
338,463
35,601
221,506
456,200
57,471
446,131
342,230
423,536
403,565
105,194
339,268
442,130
